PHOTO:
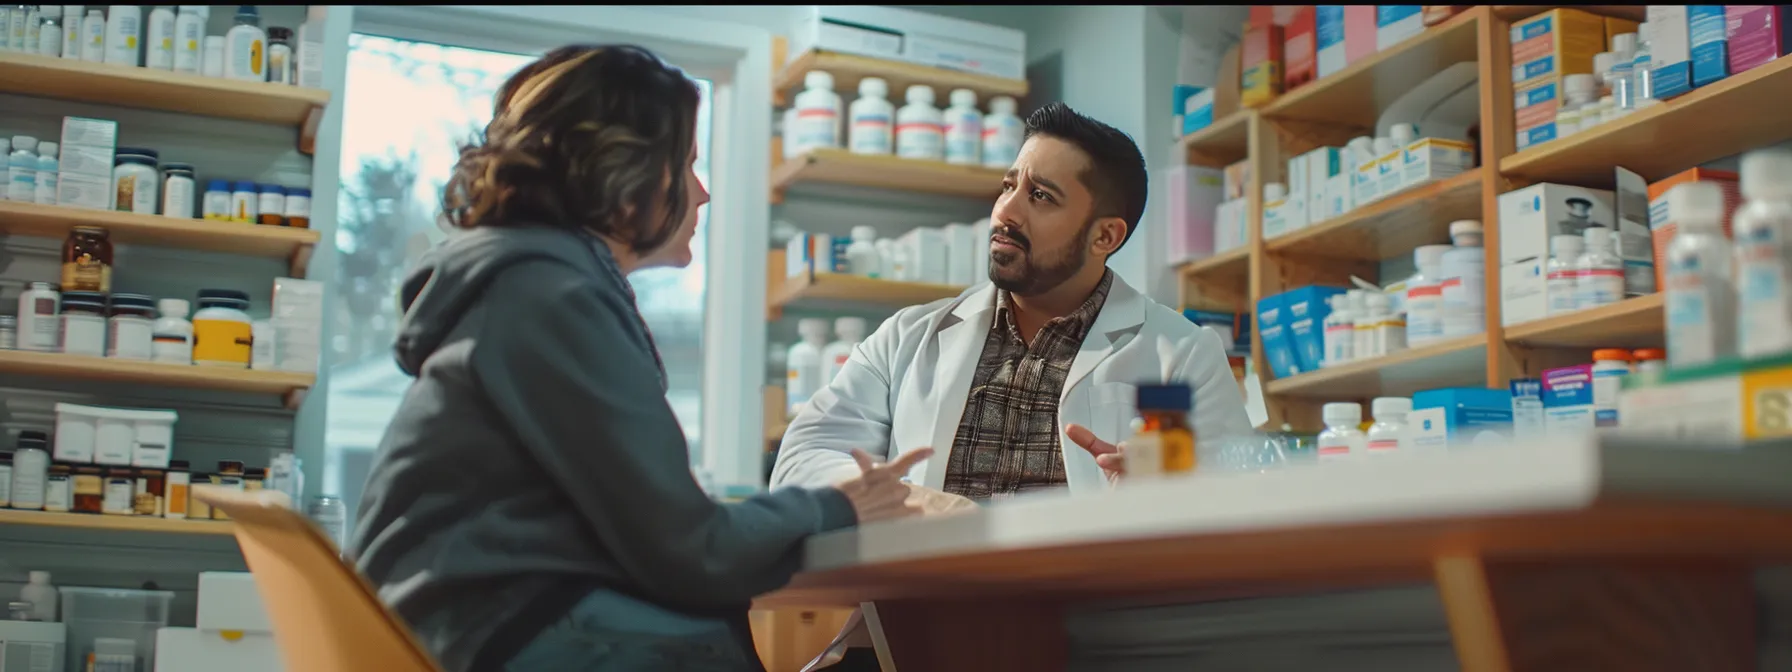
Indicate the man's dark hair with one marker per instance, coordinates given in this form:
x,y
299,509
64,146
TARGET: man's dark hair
x,y
1116,175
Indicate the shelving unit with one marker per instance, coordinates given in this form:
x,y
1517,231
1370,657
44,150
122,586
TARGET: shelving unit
x,y
86,521
109,370
816,289
848,69
839,166
1739,113
255,240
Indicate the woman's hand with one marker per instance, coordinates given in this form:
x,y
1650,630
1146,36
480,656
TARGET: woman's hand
x,y
878,492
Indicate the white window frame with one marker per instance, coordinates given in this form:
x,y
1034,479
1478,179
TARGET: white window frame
x,y
737,60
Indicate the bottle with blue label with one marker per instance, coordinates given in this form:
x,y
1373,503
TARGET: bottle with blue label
x,y
1599,271
1527,408
1763,254
1610,365
1701,302
870,129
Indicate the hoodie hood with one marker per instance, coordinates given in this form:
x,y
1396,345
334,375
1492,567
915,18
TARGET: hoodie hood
x,y
451,279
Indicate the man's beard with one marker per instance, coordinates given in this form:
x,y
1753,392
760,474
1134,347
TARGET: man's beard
x,y
1026,275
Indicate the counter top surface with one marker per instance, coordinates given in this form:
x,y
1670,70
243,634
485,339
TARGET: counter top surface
x,y
1332,524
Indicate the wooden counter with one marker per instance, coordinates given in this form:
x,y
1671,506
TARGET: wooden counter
x,y
1583,554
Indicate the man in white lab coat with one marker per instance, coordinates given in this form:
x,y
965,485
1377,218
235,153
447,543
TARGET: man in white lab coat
x,y
1051,348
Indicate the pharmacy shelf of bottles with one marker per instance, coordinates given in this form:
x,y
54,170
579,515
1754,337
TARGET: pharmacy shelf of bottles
x,y
253,240
114,370
153,89
820,289
115,523
838,166
848,69
1534,142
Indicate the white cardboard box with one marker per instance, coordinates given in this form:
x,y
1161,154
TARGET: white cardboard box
x,y
229,601
917,37
192,650
1530,216
927,254
1428,160
961,251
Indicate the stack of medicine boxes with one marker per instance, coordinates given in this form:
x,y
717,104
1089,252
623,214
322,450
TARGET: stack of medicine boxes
x,y
297,322
84,172
231,633
1292,325
1546,48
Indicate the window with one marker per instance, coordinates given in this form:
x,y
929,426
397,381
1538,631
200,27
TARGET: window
x,y
409,106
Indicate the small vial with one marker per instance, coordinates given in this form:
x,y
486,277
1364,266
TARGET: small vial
x,y
1563,275
1165,442
1600,272
1342,437
1388,434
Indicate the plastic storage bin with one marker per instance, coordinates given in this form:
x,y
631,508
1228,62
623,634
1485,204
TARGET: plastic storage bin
x,y
92,613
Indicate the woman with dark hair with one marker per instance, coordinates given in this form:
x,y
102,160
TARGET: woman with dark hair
x,y
531,506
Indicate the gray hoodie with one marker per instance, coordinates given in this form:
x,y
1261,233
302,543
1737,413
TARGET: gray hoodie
x,y
535,458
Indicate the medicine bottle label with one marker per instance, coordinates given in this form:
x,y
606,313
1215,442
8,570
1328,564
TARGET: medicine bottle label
x,y
222,342
1144,456
86,273
1690,334
1765,312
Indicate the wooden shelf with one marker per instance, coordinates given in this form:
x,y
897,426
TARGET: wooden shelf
x,y
1357,95
838,166
840,287
1731,116
255,240
32,75
87,521
1517,12
1219,282
1389,227
1231,264
1457,362
104,370
848,69
1224,143
1632,323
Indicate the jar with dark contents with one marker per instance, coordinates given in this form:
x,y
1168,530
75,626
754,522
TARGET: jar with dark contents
x,y
147,499
254,479
230,475
197,509
59,493
89,489
121,490
87,260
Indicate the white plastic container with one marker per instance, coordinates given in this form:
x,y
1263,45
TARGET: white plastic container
x,y
172,333
850,331
1342,438
803,364
49,38
71,31
1389,330
1762,228
48,172
861,255
1002,133
1424,296
114,436
817,114
93,36
1701,299
871,129
1388,434
1563,274
189,38
1599,272
178,189
1367,321
1340,332
136,186
1609,368
41,594
124,33
158,48
40,326
246,47
212,56
1464,272
964,129
919,127
21,165
30,470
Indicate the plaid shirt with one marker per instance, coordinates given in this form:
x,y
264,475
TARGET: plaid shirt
x,y
1007,441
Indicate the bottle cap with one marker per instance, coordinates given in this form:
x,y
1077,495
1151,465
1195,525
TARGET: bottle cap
x,y
1342,413
271,189
23,142
1389,406
298,191
1165,397
1611,355
1565,245
1696,205
874,87
865,233
47,148
39,576
243,186
1385,145
1274,191
1465,233
1429,256
1650,354
1602,62
850,328
1403,134
817,79
920,94
1598,238
1767,174
1623,44
1581,84
812,328
172,307
217,185
963,98
1001,105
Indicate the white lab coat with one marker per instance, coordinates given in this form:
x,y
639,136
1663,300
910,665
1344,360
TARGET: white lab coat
x,y
905,387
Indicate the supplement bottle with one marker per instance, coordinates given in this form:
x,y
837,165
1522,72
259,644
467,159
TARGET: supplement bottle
x,y
49,37
851,331
222,335
298,208
870,130
1610,365
1527,408
93,37
158,48
1599,273
1388,434
212,56
1562,273
21,164
280,63
41,595
803,364
964,129
1651,361
177,190
1390,329
919,132
1165,442
130,328
1464,273
1367,320
1002,133
48,169
1763,254
269,204
124,32
1701,300
135,182
71,31
189,34
862,258
30,470
40,324
32,20
179,481
217,200
1340,332
817,114
245,47
172,334
244,203
1424,296
1341,438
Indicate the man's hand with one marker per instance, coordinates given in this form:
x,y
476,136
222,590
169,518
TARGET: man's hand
x,y
1110,457
937,503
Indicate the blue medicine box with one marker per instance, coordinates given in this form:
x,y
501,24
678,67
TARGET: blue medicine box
x,y
1278,346
1307,310
1710,52
1455,416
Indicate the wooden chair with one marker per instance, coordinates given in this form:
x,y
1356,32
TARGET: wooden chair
x,y
326,618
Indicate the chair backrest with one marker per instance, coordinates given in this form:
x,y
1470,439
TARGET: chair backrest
x,y
325,616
